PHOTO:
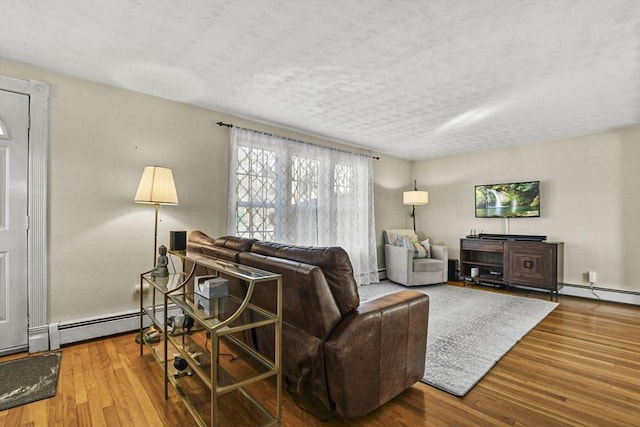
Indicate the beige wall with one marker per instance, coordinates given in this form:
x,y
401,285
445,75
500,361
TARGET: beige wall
x,y
391,177
102,137
100,140
590,200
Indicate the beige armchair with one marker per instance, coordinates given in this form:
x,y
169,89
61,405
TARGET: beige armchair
x,y
403,268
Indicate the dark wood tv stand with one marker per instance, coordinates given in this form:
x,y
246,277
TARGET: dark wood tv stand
x,y
513,263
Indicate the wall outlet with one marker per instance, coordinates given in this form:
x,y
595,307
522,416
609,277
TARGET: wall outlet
x,y
145,288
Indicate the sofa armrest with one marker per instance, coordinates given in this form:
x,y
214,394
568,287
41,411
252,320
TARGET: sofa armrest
x,y
377,351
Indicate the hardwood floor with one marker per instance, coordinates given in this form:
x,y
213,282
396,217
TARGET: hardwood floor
x,y
579,367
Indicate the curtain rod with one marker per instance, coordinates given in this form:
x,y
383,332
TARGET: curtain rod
x,y
229,125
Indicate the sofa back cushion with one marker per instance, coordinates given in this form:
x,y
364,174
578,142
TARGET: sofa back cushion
x,y
240,244
226,247
307,301
334,262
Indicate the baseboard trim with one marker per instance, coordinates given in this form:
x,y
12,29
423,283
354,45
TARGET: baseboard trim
x,y
603,294
68,332
38,338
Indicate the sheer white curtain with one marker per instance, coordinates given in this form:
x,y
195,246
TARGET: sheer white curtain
x,y
293,192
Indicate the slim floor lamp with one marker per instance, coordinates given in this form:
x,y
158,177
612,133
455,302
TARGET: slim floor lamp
x,y
414,198
156,188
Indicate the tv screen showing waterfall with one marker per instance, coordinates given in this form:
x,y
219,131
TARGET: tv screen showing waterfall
x,y
512,200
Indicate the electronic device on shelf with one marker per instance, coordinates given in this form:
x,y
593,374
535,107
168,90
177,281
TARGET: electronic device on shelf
x,y
513,237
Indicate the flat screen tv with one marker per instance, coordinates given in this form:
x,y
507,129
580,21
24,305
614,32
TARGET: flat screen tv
x,y
511,200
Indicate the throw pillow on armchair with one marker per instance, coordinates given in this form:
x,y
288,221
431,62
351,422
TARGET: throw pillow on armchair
x,y
420,249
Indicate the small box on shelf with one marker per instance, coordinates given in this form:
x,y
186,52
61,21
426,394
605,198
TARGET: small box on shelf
x,y
209,287
210,307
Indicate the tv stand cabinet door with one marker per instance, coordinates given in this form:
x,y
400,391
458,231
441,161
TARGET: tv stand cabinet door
x,y
531,264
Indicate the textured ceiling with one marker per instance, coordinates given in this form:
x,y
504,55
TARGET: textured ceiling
x,y
413,79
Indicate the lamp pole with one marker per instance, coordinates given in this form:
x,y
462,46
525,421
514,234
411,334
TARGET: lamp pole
x,y
155,234
413,214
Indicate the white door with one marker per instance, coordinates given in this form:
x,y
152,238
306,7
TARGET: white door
x,y
14,137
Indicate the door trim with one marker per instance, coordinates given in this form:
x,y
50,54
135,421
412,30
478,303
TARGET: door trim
x,y
37,272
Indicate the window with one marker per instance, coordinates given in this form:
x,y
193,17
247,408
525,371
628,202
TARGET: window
x,y
304,180
298,193
256,193
343,180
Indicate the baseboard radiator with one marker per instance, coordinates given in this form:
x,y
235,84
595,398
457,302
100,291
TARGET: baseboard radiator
x,y
604,294
68,332
581,291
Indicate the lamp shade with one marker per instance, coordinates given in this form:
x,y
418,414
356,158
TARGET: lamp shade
x,y
157,187
415,197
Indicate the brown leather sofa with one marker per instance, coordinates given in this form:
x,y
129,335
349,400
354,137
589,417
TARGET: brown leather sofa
x,y
337,354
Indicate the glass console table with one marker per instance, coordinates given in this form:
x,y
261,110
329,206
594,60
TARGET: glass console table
x,y
214,371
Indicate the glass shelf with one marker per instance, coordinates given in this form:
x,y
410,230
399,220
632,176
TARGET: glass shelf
x,y
239,271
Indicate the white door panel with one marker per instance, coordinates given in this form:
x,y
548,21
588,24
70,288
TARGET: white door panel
x,y
14,136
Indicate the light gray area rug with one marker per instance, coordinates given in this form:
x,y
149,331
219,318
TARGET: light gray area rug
x,y
469,330
28,379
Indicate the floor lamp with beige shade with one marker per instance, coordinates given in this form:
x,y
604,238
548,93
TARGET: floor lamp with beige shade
x,y
156,188
414,198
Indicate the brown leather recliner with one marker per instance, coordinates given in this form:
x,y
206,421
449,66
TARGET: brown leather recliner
x,y
338,354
